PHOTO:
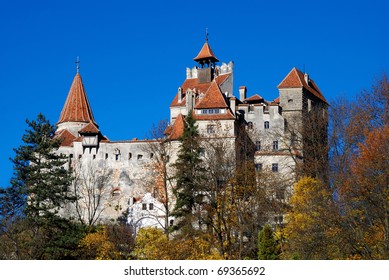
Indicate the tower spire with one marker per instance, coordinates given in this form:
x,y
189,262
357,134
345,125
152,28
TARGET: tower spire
x,y
206,34
78,64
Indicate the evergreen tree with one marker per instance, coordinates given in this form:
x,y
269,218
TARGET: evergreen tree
x,y
266,244
190,176
39,189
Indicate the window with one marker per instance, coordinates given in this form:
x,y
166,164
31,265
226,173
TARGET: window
x,y
258,166
202,152
151,155
94,156
79,156
106,156
210,129
279,219
210,111
250,125
275,145
274,167
266,125
144,206
251,108
280,194
129,156
151,206
140,157
116,192
117,154
257,145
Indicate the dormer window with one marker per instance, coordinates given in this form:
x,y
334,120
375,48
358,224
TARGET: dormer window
x,y
214,111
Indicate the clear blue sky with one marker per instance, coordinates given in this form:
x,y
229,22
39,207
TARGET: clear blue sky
x,y
134,54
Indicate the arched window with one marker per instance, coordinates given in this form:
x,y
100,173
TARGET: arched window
x,y
266,125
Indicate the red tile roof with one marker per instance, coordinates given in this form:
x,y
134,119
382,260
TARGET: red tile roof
x,y
213,98
77,108
66,137
200,88
214,117
295,79
175,131
254,98
90,128
205,54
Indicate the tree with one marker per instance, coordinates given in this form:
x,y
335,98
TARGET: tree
x,y
39,189
311,222
90,186
159,181
190,178
365,195
266,244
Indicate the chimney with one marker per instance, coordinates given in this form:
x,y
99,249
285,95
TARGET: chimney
x,y
233,104
242,93
179,94
306,78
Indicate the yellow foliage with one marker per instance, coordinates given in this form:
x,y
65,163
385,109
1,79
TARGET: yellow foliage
x,y
153,244
97,246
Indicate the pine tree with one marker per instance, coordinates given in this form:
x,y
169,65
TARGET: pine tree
x,y
190,176
266,244
40,186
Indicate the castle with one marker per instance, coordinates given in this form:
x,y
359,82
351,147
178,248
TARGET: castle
x,y
111,176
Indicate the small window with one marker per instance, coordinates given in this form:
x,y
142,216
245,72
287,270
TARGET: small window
x,y
217,111
116,192
258,166
151,155
106,156
171,223
279,219
79,156
251,108
202,152
151,206
210,129
144,206
129,156
140,157
250,125
204,111
290,100
116,157
94,156
257,145
274,167
275,145
266,125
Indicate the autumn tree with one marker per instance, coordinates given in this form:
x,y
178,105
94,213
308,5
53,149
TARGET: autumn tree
x,y
365,197
311,225
159,177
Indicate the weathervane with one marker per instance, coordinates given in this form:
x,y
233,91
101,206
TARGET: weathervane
x,y
78,64
206,34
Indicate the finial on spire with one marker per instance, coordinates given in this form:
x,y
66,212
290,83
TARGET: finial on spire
x,y
206,34
78,64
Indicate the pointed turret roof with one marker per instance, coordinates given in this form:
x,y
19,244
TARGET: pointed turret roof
x,y
295,79
206,53
77,108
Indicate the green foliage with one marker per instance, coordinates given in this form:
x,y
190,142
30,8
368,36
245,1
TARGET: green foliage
x,y
189,174
266,244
